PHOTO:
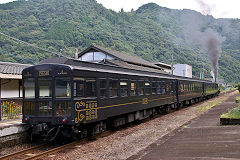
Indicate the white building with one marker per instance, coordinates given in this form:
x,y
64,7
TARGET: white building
x,y
183,70
11,79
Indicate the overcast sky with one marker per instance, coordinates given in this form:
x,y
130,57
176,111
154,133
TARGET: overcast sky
x,y
217,8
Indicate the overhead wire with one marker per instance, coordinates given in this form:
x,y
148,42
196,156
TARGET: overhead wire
x,y
29,60
32,45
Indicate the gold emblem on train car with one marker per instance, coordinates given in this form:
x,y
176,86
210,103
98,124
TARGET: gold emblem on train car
x,y
145,101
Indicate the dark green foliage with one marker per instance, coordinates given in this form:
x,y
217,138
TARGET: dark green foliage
x,y
152,32
237,86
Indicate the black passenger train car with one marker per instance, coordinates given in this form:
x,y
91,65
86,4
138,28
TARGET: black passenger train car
x,y
70,97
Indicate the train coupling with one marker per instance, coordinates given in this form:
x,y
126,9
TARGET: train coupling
x,y
37,129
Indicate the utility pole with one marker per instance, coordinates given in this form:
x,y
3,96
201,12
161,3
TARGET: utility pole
x,y
203,71
61,51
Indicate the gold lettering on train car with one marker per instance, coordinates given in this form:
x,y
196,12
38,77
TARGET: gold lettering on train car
x,y
91,114
43,73
28,74
62,72
145,101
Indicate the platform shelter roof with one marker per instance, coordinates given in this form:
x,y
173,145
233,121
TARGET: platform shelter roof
x,y
9,70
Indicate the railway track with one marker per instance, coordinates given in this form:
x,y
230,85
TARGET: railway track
x,y
44,150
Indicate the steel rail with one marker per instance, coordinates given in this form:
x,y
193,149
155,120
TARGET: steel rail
x,y
22,152
69,145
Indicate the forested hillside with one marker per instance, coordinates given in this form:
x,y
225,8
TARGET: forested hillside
x,y
152,32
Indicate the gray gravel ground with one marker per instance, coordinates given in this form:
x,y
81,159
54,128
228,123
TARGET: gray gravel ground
x,y
5,151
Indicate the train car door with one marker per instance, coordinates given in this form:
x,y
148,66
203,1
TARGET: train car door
x,y
173,91
85,99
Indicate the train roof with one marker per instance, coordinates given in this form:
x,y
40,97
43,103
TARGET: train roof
x,y
75,64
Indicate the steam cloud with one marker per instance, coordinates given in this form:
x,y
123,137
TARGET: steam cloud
x,y
212,39
205,8
209,39
197,32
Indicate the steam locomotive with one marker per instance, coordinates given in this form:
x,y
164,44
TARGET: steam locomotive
x,y
71,98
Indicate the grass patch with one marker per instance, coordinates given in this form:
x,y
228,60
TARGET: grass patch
x,y
207,106
232,113
237,99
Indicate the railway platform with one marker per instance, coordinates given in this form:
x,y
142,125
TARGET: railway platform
x,y
200,139
10,122
12,132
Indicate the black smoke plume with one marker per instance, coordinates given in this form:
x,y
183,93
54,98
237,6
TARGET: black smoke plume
x,y
213,42
208,39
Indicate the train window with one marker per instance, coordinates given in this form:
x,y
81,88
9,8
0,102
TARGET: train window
x,y
167,87
113,87
148,88
84,87
79,87
159,89
103,88
154,87
133,89
45,87
29,88
185,87
163,88
29,108
140,88
180,88
63,88
45,108
124,88
90,87
63,108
